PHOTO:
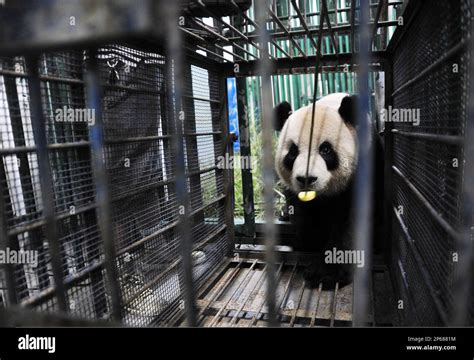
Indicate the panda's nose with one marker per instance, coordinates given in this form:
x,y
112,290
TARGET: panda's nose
x,y
302,180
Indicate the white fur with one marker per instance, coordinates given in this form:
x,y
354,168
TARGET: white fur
x,y
328,126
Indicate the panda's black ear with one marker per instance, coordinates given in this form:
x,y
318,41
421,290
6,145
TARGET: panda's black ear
x,y
347,110
280,114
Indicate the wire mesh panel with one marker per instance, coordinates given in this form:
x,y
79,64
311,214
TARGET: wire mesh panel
x,y
62,89
430,79
140,168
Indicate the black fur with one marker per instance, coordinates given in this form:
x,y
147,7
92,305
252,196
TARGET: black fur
x,y
280,114
290,158
347,110
329,155
320,225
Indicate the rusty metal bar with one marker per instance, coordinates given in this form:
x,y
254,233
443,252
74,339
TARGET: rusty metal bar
x,y
334,305
315,313
287,287
363,189
300,297
46,181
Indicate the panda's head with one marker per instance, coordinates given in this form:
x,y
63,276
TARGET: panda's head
x,y
333,151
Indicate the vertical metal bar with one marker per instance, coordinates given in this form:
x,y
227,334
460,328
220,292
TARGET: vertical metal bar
x,y
102,185
334,306
245,152
376,21
363,178
6,243
267,156
315,313
353,9
298,304
46,180
463,279
388,160
331,32
175,86
287,287
372,299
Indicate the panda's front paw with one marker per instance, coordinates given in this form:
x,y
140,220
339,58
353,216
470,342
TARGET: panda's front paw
x,y
313,273
318,272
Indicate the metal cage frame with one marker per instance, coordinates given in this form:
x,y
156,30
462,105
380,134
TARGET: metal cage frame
x,y
172,67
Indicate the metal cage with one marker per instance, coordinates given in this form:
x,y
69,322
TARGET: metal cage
x,y
112,121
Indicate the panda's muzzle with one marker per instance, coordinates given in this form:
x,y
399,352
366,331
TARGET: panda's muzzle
x,y
303,181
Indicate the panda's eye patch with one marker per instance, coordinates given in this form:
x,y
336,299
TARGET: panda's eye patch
x,y
329,155
325,148
290,158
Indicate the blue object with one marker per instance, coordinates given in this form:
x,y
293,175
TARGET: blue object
x,y
232,109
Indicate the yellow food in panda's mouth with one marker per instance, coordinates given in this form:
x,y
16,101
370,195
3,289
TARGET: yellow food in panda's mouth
x,y
306,196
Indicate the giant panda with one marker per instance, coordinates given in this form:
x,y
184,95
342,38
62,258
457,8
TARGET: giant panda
x,y
325,222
